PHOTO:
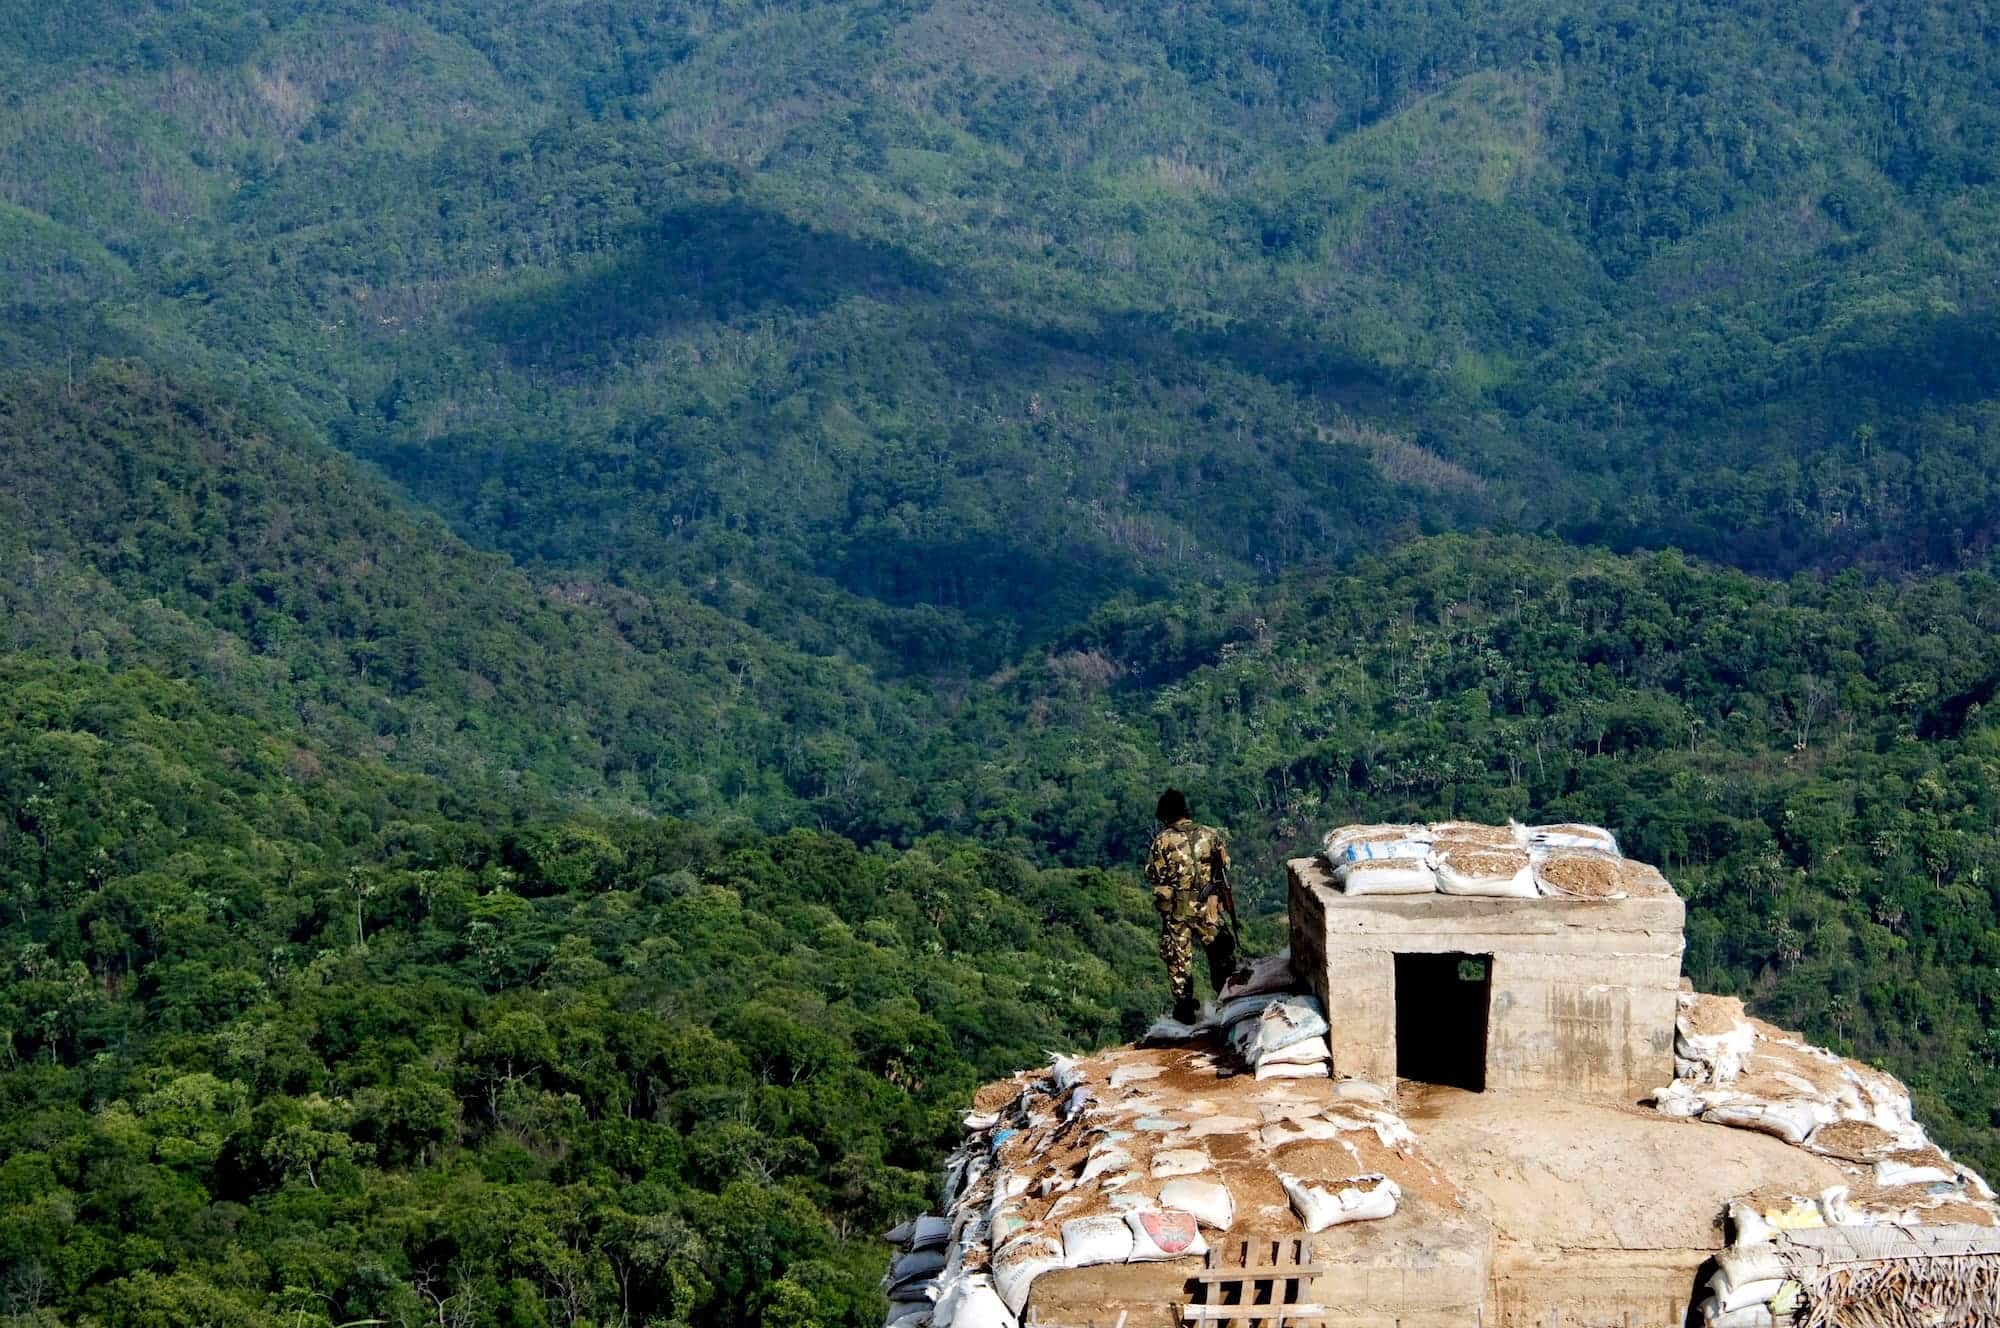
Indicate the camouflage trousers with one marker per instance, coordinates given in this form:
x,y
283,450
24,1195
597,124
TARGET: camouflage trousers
x,y
1178,937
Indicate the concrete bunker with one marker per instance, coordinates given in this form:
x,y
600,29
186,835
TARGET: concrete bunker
x,y
1580,993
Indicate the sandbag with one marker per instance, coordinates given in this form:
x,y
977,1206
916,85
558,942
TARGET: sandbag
x,y
1750,1316
915,1266
1102,1160
1178,1162
1678,1099
1308,1051
900,1233
1282,1023
1791,1119
1165,1029
930,1232
910,1314
1231,1013
972,1303
1375,843
1475,869
1271,973
1016,1267
1391,876
1352,1199
1106,1238
1210,1202
1316,1070
1712,1032
1159,1234
1594,838
1890,1171
1750,1293
1360,1090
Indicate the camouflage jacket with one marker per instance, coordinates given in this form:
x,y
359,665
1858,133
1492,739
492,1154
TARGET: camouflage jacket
x,y
1186,859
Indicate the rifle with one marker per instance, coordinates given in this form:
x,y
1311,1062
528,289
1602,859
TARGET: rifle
x,y
1219,885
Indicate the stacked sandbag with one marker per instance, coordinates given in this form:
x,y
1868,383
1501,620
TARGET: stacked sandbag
x,y
912,1282
1512,861
1363,1198
1752,1287
1278,1035
1139,1155
1382,859
1737,1071
1260,977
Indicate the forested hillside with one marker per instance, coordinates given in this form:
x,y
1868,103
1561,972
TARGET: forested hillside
x,y
594,597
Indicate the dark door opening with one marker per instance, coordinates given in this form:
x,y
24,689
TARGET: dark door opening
x,y
1441,1002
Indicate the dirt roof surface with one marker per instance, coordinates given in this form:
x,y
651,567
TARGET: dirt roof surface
x,y
1562,1173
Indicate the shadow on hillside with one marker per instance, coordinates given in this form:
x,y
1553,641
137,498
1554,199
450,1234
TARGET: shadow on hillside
x,y
699,264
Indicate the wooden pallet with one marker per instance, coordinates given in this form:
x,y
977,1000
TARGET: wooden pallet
x,y
1256,1282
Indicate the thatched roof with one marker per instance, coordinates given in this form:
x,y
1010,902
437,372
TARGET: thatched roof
x,y
1896,1277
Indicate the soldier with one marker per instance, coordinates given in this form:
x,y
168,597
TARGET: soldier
x,y
1187,868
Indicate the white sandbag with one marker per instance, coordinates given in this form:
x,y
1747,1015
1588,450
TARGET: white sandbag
x,y
1213,1125
1592,838
1360,1090
1678,1099
1791,1119
1134,1074
1366,843
1316,1070
1004,1222
1271,973
1063,1073
1282,1023
900,1233
1389,876
1231,1013
1179,1162
1362,1198
973,1303
1092,1240
930,1232
1750,1293
1209,1201
1308,1051
1891,1172
1016,1267
1079,1098
1492,873
1750,1316
1743,1264
1160,1234
1099,1162
1715,1058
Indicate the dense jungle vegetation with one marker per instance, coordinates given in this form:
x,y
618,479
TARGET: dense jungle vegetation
x,y
593,597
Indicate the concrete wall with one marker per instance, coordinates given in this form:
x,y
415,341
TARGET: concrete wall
x,y
1583,991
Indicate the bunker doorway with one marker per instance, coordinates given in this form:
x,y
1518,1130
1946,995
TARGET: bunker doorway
x,y
1441,1003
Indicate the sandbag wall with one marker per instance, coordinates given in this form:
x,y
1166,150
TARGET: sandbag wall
x,y
1743,1073
1135,1156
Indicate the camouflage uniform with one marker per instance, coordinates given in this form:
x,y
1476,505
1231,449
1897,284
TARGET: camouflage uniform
x,y
1185,861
